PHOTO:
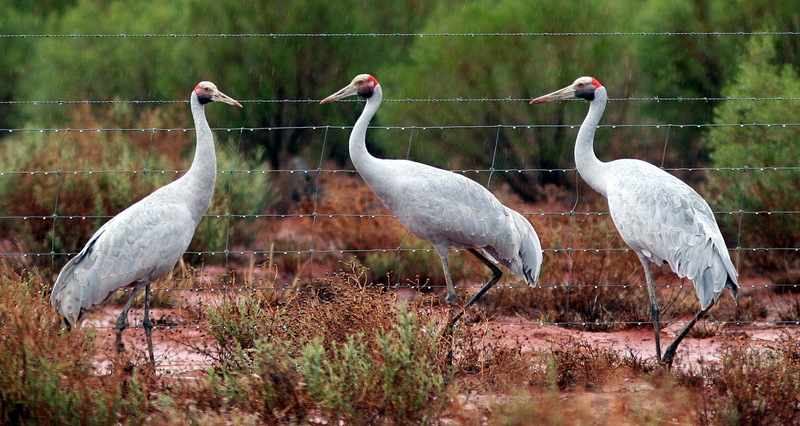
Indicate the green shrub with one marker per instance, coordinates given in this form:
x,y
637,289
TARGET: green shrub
x,y
237,321
396,379
757,147
266,381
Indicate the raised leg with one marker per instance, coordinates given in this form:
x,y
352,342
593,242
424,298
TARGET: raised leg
x,y
655,312
670,352
122,321
496,274
148,325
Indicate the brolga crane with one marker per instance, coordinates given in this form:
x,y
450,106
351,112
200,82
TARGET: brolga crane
x,y
660,217
445,208
144,241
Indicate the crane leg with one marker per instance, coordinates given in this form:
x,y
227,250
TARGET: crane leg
x,y
451,290
496,274
670,352
655,312
122,321
148,325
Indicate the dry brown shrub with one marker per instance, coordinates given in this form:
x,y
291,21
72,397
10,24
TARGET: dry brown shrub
x,y
87,194
49,375
491,366
753,386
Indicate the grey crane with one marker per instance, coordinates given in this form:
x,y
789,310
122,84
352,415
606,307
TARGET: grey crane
x,y
144,241
660,217
445,208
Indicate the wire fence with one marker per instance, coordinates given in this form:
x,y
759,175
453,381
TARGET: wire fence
x,y
308,223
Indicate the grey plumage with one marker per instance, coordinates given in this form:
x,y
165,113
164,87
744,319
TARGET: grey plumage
x,y
445,208
660,217
144,241
667,221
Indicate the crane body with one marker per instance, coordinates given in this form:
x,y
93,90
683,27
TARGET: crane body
x,y
144,241
659,216
447,209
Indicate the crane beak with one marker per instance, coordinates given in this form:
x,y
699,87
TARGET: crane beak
x,y
349,90
559,95
221,97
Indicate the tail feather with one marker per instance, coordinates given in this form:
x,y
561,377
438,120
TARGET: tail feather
x,y
527,262
63,296
714,279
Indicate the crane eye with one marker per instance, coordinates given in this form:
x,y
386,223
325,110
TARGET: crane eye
x,y
580,85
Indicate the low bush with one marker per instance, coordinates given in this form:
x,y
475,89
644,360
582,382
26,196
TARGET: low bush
x,y
753,386
47,374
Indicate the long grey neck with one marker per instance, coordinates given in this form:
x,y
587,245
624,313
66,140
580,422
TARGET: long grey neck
x,y
202,175
366,164
589,166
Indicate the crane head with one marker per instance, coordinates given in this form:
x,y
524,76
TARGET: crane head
x,y
363,85
207,91
582,88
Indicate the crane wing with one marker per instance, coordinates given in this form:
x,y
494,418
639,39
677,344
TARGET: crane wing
x,y
451,210
137,246
667,221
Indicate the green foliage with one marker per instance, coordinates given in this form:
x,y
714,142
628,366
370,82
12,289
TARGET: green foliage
x,y
700,65
392,375
395,379
243,67
266,381
237,324
500,67
16,20
757,147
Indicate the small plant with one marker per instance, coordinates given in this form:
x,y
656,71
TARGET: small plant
x,y
755,386
263,379
575,362
395,379
47,374
236,323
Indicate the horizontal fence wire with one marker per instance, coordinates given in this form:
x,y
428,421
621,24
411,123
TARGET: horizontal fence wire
x,y
431,100
212,284
415,35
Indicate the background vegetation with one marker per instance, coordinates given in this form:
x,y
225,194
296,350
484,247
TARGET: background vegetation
x,y
353,352
291,135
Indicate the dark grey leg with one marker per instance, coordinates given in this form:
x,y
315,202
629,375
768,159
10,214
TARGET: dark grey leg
x,y
148,325
496,274
122,321
451,290
655,312
670,353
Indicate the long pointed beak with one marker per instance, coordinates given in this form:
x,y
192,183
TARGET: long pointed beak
x,y
221,97
561,94
346,91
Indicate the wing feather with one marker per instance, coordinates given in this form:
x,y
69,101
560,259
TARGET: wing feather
x,y
135,247
451,210
666,220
